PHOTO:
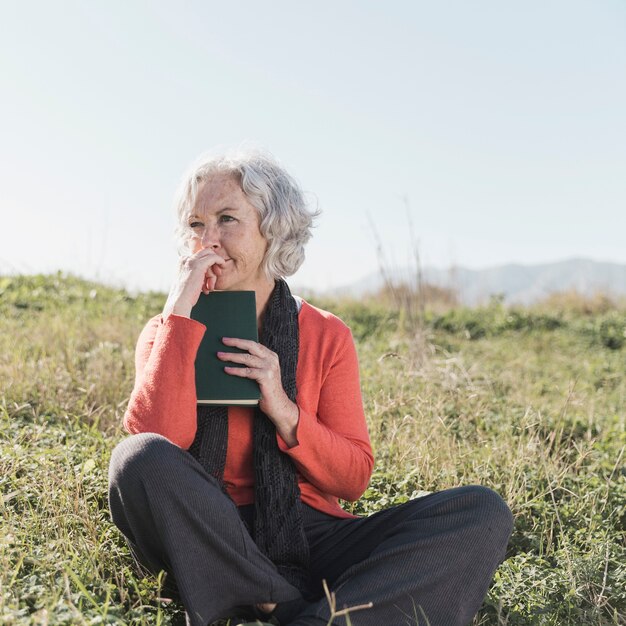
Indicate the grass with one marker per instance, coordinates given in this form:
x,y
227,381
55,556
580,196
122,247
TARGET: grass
x,y
529,402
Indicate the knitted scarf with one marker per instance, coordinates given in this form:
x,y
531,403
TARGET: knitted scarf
x,y
278,529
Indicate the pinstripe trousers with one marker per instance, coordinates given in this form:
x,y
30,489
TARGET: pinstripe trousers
x,y
428,561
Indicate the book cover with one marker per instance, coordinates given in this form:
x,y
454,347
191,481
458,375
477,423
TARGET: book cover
x,y
225,314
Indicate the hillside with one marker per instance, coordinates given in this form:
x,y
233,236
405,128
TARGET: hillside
x,y
527,401
519,284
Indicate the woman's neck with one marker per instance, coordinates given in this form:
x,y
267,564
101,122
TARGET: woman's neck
x,y
263,293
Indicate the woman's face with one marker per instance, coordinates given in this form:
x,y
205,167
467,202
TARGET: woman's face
x,y
223,219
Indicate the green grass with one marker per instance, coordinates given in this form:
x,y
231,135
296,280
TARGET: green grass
x,y
529,402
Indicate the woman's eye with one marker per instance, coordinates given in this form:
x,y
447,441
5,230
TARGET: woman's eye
x,y
227,218
196,225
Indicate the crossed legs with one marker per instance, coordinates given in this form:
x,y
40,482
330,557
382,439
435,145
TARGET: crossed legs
x,y
433,557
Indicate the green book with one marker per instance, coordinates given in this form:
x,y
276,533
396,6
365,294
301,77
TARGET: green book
x,y
225,314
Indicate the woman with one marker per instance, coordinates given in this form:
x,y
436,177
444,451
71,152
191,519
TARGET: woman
x,y
240,506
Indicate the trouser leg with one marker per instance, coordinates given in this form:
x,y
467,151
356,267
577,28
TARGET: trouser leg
x,y
176,517
429,559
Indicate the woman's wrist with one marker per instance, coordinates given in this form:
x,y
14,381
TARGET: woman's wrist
x,y
182,310
287,424
176,306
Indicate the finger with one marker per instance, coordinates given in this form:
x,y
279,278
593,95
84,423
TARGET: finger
x,y
244,358
210,278
207,283
205,252
206,258
219,261
244,372
210,283
252,347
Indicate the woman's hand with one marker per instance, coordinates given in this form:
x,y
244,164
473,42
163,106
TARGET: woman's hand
x,y
262,365
196,273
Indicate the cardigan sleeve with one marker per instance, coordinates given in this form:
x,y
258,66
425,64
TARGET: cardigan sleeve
x,y
163,400
333,450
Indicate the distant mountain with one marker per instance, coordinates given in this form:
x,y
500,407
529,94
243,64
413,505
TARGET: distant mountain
x,y
521,284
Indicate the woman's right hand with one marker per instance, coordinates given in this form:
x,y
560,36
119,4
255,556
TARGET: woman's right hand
x,y
197,273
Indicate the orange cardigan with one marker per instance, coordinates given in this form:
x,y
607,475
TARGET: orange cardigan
x,y
333,456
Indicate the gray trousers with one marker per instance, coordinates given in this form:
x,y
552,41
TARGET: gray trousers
x,y
432,557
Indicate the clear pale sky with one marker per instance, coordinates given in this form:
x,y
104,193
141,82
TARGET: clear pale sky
x,y
503,123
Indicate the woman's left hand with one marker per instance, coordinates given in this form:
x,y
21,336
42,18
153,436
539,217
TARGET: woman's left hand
x,y
262,365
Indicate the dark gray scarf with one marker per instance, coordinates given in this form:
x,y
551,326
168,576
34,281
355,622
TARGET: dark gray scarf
x,y
278,528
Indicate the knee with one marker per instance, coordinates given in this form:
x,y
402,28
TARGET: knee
x,y
138,456
492,514
472,510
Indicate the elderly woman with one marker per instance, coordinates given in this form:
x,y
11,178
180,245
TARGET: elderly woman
x,y
240,505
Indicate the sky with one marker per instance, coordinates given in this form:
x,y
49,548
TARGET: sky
x,y
478,133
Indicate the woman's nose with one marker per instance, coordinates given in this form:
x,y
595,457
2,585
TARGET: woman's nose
x,y
210,237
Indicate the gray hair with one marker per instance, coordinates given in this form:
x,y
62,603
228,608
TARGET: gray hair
x,y
285,219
